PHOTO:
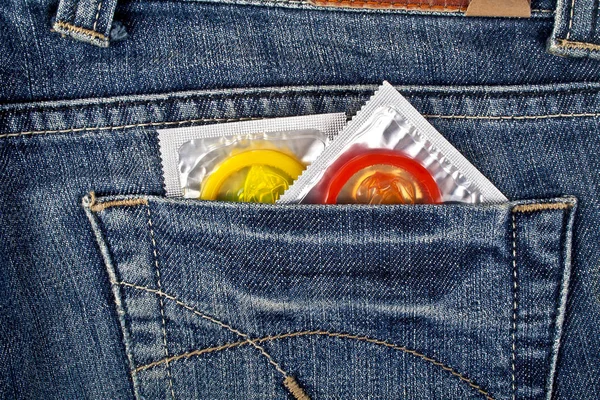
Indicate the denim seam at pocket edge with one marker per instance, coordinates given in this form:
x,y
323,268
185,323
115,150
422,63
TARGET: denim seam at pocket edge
x,y
561,43
93,206
90,206
560,302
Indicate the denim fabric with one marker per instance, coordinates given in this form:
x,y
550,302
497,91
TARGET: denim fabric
x,y
179,46
77,118
576,32
360,302
86,20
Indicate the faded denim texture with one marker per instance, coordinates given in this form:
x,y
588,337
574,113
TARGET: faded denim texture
x,y
356,301
450,301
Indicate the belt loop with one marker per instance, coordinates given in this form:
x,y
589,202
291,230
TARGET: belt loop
x,y
86,20
576,32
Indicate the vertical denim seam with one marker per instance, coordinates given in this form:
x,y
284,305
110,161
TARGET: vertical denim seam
x,y
91,206
570,20
567,244
162,308
97,15
88,202
335,335
515,304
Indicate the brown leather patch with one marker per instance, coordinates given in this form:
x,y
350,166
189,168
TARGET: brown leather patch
x,y
479,8
495,8
420,5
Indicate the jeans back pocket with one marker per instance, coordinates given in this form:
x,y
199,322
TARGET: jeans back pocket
x,y
232,300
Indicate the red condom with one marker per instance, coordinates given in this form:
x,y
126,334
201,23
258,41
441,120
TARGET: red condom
x,y
419,176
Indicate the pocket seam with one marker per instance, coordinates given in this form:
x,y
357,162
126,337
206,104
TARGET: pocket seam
x,y
159,286
254,342
522,207
529,208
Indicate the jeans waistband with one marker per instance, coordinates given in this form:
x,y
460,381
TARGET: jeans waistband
x,y
576,32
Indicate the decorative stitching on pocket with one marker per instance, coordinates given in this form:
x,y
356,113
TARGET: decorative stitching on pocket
x,y
338,335
250,341
78,29
578,45
195,353
160,300
527,208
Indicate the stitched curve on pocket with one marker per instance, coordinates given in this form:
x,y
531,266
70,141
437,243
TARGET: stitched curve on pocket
x,y
254,342
208,318
197,240
89,202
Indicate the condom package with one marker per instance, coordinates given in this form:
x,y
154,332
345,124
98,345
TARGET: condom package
x,y
249,161
389,154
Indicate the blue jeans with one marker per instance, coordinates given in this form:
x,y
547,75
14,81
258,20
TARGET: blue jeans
x,y
124,293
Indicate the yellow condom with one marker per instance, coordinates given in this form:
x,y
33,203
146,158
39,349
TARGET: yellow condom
x,y
269,173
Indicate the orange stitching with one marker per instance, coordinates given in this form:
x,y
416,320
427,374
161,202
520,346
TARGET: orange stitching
x,y
97,16
141,125
78,29
294,388
327,334
578,45
193,353
527,208
208,318
116,203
